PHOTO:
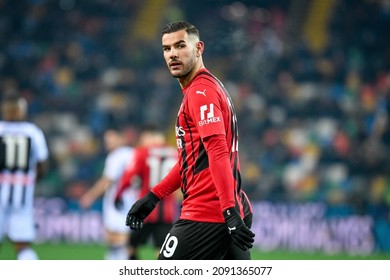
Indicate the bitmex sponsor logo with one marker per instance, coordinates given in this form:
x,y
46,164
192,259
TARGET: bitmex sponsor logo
x,y
209,120
207,115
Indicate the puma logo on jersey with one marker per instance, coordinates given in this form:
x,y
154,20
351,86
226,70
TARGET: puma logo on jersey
x,y
201,92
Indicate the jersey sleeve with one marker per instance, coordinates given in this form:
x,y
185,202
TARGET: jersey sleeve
x,y
131,170
205,106
219,165
206,111
170,183
41,145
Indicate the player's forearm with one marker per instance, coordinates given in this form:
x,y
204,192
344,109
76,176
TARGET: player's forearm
x,y
123,184
169,184
220,169
99,188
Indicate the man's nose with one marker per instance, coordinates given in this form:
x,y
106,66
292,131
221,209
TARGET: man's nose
x,y
173,52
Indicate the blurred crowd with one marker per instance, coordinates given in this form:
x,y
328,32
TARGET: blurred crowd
x,y
313,119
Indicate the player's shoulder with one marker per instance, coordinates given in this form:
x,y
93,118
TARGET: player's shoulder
x,y
205,80
145,151
28,128
121,152
142,151
126,149
202,89
29,125
204,84
32,126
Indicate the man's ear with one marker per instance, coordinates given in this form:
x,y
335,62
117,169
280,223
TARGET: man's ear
x,y
199,48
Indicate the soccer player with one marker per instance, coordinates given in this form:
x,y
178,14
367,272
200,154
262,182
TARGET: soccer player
x,y
208,169
152,161
23,160
118,157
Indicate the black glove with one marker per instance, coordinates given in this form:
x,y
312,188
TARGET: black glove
x,y
140,210
118,202
241,235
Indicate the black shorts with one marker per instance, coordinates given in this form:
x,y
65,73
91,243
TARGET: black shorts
x,y
189,240
157,231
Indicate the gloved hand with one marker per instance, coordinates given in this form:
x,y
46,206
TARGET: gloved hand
x,y
140,210
118,202
241,235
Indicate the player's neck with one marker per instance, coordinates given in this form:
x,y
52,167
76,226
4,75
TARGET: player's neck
x,y
184,81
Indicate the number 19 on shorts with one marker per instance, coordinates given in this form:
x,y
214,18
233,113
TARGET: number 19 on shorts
x,y
169,246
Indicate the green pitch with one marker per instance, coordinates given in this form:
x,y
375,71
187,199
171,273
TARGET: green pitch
x,y
65,251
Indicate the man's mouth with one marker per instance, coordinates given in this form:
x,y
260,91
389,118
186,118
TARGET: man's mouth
x,y
174,64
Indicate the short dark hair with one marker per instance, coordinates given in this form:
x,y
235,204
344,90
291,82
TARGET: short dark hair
x,y
180,25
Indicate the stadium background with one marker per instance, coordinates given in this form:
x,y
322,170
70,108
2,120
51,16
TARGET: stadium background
x,y
310,81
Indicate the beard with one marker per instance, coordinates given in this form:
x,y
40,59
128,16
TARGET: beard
x,y
187,69
181,75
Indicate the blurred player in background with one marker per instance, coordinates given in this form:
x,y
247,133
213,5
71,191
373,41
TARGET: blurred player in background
x,y
153,160
118,157
23,160
208,169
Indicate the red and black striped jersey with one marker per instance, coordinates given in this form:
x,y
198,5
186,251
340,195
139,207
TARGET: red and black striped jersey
x,y
206,110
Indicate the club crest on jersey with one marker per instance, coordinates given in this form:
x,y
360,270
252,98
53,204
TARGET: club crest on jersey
x,y
207,115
